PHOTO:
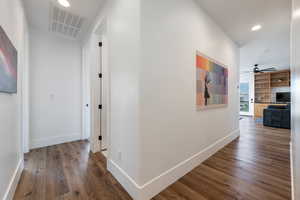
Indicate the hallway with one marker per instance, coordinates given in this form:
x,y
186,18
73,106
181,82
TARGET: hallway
x,y
255,166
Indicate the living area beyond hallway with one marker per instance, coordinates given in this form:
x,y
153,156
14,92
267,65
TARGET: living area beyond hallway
x,y
254,166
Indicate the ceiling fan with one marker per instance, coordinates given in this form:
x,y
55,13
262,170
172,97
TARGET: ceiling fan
x,y
256,69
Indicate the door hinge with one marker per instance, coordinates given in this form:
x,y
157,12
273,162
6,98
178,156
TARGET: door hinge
x,y
100,75
100,107
100,44
100,137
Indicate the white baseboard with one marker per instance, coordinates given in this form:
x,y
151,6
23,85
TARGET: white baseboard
x,y
95,144
38,143
9,195
124,179
159,183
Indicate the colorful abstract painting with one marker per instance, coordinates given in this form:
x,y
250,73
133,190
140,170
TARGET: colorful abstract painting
x,y
8,64
212,83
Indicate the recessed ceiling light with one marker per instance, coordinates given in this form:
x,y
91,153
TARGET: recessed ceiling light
x,y
256,27
64,3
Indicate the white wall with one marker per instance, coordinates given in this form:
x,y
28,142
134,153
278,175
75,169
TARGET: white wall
x,y
86,96
118,26
12,19
295,72
155,133
55,90
171,128
123,36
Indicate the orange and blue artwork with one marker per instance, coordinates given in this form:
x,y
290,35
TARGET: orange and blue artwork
x,y
212,83
8,64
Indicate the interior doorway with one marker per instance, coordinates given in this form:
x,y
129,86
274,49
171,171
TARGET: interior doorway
x,y
97,90
246,94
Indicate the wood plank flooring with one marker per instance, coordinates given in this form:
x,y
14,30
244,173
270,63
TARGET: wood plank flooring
x,y
67,172
253,167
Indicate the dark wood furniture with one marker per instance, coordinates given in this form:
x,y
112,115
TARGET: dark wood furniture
x,y
277,116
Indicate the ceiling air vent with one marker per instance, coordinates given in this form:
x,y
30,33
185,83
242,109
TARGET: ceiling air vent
x,y
64,22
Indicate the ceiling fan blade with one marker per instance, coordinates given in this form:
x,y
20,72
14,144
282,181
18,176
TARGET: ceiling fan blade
x,y
272,69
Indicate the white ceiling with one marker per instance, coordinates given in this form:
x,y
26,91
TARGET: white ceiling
x,y
267,47
39,12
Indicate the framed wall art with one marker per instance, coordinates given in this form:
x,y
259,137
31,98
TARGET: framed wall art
x,y
212,83
8,64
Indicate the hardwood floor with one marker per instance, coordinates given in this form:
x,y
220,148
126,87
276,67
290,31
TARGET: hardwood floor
x,y
67,172
253,167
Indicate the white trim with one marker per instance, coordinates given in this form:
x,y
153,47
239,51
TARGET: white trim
x,y
83,96
246,114
38,143
124,179
292,171
9,194
25,87
94,145
159,183
107,89
99,34
25,96
250,81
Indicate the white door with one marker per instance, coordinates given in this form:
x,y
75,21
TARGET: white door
x,y
86,123
247,94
